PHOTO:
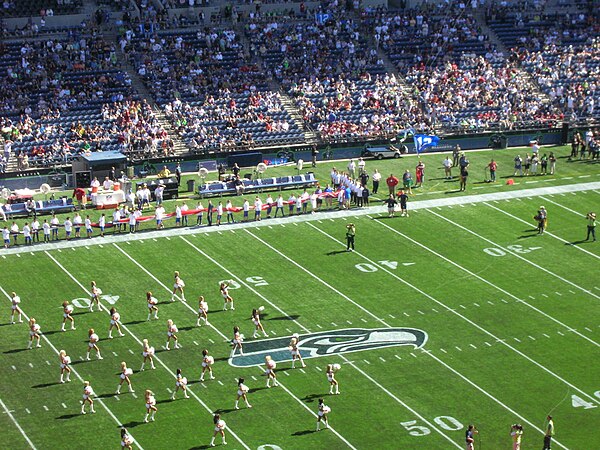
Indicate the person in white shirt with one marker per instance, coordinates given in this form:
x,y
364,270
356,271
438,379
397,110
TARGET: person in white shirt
x,y
27,233
184,217
35,230
159,215
291,204
102,224
352,169
158,194
77,224
139,195
95,183
246,208
361,166
14,231
257,208
269,202
46,229
178,216
138,214
376,179
68,228
229,211
6,236
116,217
219,212
447,163
107,185
299,205
54,223
145,196
88,227
132,221
279,206
305,197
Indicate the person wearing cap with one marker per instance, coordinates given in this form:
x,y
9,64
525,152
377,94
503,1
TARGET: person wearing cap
x,y
591,226
164,173
350,234
542,219
158,193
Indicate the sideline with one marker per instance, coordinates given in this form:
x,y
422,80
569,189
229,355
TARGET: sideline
x,y
325,215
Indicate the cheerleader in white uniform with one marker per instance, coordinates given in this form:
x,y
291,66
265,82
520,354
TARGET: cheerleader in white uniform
x,y
180,383
88,393
65,360
93,344
224,288
67,311
124,376
150,405
202,311
331,370
207,363
237,341
96,293
16,309
219,429
152,302
242,393
322,414
34,333
257,325
115,319
148,354
270,371
178,287
171,334
126,439
295,351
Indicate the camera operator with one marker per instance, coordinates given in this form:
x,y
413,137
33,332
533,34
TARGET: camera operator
x,y
516,431
470,437
591,226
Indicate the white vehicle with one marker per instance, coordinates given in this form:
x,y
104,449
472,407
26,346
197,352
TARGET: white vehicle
x,y
384,151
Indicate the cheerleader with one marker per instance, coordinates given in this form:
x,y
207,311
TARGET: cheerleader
x,y
242,393
295,351
322,414
150,405
16,309
237,341
178,286
207,363
93,344
96,292
152,302
34,333
270,371
224,288
126,439
219,429
67,310
202,311
88,392
65,360
148,354
125,374
181,383
331,369
115,318
171,330
256,321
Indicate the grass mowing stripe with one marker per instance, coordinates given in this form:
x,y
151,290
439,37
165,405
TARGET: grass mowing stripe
x,y
489,283
74,371
424,351
156,358
507,250
307,330
234,276
453,311
9,414
564,241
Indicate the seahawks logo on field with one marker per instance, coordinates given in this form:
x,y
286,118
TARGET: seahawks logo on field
x,y
328,343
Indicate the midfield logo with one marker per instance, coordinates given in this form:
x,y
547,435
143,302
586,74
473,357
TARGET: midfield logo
x,y
327,343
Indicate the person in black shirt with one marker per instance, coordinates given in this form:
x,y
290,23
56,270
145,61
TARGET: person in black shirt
x,y
464,175
365,195
209,213
236,170
391,203
350,234
403,199
178,173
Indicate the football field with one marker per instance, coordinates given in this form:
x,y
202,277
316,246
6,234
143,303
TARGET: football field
x,y
459,314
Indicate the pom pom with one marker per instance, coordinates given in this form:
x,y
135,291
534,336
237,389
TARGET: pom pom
x,y
336,367
261,308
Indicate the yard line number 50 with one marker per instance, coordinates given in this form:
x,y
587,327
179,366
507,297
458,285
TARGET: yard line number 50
x,y
447,423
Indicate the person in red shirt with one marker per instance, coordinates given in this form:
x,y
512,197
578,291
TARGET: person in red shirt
x,y
493,166
420,173
81,197
392,182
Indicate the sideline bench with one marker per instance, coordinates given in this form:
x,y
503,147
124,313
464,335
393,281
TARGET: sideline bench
x,y
258,185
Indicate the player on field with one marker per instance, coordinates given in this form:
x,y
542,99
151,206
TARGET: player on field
x,y
295,351
219,429
224,288
171,334
242,393
148,354
67,310
88,393
15,308
34,333
151,302
65,360
270,371
202,311
180,383
93,344
207,363
257,325
322,414
115,319
178,287
150,405
124,376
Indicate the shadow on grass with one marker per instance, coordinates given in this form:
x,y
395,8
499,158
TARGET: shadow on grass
x,y
200,447
311,398
581,241
303,432
258,389
290,317
335,252
16,350
67,416
225,411
112,394
134,322
456,191
44,385
50,333
167,400
133,424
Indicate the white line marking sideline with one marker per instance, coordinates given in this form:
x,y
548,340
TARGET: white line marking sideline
x,y
21,430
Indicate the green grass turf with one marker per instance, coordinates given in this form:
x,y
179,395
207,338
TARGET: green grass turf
x,y
512,332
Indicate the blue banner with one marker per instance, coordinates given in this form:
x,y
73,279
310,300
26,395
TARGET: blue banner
x,y
424,141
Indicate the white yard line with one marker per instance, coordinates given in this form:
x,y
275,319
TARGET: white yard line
x,y
74,371
21,430
489,283
156,358
507,250
387,325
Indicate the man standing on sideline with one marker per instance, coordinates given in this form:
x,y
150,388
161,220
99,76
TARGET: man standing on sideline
x,y
178,173
403,200
455,155
470,437
591,226
549,433
392,182
314,152
391,203
493,166
350,234
448,167
376,179
542,219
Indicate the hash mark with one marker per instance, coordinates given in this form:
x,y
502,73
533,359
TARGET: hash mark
x,y
491,303
462,306
517,339
365,321
288,330
397,357
421,312
334,324
348,322
487,343
476,304
31,365
472,345
48,362
302,370
532,297
170,391
114,354
254,378
544,295
560,333
572,292
46,408
318,368
195,343
443,350
382,360
27,410
546,335
131,351
391,316
459,349
286,372
134,395
366,361
412,354
211,341
406,314
319,326
559,294
273,333
504,301
14,368
64,406
220,382
589,329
